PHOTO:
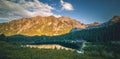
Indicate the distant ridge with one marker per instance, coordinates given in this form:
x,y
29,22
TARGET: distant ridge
x,y
115,18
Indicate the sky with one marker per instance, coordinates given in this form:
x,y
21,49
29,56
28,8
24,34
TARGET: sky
x,y
85,11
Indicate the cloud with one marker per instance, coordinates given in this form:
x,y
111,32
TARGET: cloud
x,y
14,9
66,6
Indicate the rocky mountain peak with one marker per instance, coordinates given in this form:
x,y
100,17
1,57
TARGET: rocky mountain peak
x,y
115,18
39,25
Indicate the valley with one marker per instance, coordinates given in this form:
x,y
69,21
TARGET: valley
x,y
102,42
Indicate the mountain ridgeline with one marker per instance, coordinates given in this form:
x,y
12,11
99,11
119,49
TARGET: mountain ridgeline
x,y
49,26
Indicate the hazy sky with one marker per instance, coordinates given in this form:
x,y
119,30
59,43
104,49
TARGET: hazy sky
x,y
85,11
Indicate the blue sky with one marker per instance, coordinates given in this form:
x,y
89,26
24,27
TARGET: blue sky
x,y
85,11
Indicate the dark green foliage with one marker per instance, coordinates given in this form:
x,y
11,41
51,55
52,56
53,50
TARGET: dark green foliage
x,y
105,50
8,51
2,36
19,39
92,51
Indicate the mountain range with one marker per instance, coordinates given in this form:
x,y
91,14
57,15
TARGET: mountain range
x,y
49,26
